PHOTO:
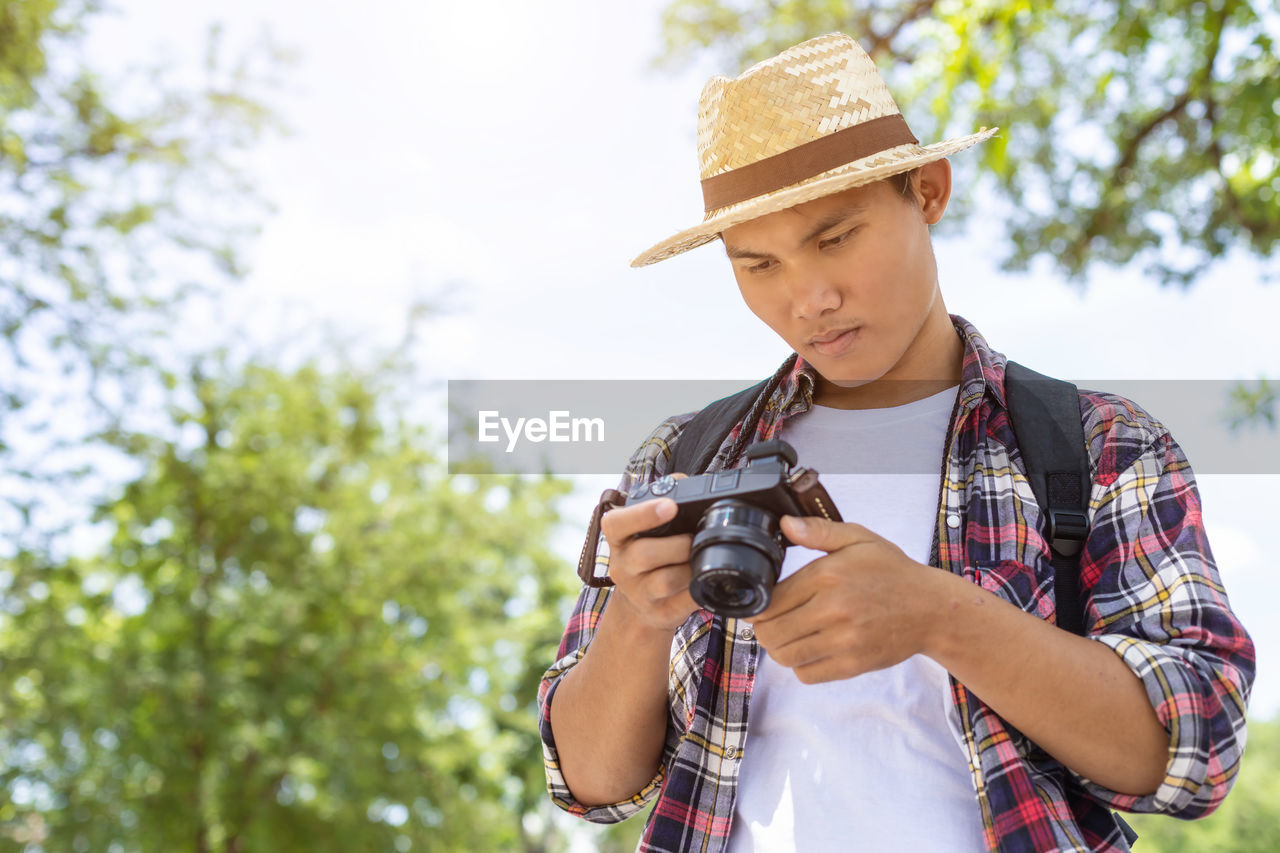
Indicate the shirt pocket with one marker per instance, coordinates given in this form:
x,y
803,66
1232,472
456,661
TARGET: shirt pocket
x,y
1030,588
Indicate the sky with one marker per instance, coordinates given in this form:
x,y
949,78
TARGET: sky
x,y
506,159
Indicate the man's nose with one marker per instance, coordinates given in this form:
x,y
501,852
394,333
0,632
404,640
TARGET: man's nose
x,y
813,293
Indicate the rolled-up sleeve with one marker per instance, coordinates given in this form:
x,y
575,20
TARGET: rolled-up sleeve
x,y
573,646
649,462
1156,599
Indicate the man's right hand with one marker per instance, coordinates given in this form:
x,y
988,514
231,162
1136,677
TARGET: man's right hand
x,y
622,678
650,574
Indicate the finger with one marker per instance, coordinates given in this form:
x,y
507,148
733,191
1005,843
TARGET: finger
x,y
681,602
796,590
823,535
831,668
622,523
816,581
804,650
676,607
651,553
782,631
787,596
814,655
664,588
670,589
657,584
626,521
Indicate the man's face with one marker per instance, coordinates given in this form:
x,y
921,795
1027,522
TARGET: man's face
x,y
850,282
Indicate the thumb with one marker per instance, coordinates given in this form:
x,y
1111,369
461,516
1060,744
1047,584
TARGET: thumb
x,y
820,534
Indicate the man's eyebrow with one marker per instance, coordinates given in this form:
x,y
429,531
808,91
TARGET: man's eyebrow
x,y
827,222
833,219
736,253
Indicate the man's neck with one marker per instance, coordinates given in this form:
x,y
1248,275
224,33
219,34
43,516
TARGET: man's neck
x,y
935,371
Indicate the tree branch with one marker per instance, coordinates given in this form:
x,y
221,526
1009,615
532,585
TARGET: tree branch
x,y
1234,206
1098,221
882,43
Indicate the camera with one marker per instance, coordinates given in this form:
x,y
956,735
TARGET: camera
x,y
734,515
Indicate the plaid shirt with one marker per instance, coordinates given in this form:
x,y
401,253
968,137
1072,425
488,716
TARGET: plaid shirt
x,y
1150,590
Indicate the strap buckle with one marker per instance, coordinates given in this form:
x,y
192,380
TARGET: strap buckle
x,y
1068,529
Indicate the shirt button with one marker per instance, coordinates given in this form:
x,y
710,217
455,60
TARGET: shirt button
x,y
746,633
731,752
953,521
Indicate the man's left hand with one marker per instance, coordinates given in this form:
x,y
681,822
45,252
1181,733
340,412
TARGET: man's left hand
x,y
863,606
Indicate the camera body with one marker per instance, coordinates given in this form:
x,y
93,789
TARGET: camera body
x,y
734,515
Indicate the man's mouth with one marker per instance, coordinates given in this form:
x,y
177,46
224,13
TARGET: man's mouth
x,y
835,341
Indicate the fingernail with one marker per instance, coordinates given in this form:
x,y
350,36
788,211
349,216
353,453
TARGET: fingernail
x,y
798,523
666,509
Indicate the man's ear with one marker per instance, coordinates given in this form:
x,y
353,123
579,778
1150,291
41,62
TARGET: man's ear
x,y
932,187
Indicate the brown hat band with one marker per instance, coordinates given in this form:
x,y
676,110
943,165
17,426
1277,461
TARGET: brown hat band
x,y
805,161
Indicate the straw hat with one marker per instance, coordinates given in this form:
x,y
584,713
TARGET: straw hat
x,y
814,120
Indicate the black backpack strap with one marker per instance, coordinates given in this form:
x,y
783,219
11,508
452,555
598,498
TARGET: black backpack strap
x,y
1045,416
697,443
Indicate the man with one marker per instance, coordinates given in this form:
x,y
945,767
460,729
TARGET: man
x,y
907,687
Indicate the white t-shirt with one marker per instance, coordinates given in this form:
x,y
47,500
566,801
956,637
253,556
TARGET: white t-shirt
x,y
875,762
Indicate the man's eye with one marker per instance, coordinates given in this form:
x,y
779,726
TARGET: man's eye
x,y
838,240
761,266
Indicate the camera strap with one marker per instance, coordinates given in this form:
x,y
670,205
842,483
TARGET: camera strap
x,y
609,499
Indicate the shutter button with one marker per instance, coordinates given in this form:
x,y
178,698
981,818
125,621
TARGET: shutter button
x,y
663,485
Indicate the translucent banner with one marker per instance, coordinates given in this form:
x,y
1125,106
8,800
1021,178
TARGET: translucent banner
x,y
574,427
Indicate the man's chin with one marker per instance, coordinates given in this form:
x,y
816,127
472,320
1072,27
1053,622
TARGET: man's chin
x,y
842,383
852,382
840,376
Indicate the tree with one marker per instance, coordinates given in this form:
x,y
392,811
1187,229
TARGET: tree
x,y
302,636
1130,129
123,196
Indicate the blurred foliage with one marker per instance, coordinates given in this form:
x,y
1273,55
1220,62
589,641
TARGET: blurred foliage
x,y
298,632
302,635
1254,406
1247,822
1131,130
112,180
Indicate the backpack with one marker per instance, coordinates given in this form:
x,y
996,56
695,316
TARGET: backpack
x,y
1045,416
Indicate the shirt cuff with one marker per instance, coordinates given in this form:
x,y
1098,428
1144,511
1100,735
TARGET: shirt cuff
x,y
1204,712
556,785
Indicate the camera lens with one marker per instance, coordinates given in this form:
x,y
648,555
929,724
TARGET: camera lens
x,y
735,558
